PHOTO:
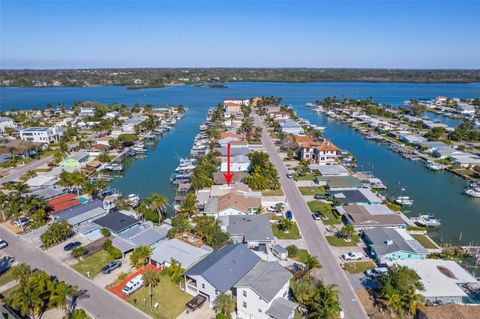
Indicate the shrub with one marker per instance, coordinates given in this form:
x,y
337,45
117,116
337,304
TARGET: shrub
x,y
56,233
79,314
122,276
105,232
292,250
115,253
79,251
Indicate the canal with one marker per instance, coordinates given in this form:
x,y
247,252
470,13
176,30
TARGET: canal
x,y
439,193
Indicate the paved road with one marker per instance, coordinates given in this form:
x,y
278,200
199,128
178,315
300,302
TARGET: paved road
x,y
317,245
99,303
17,172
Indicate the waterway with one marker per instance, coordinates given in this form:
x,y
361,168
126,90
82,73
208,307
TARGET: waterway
x,y
439,193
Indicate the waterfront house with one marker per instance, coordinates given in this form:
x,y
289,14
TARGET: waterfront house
x,y
6,122
389,244
465,109
411,138
322,153
361,196
234,203
236,136
62,202
252,230
448,311
117,222
289,126
81,214
86,111
76,160
464,159
129,125
48,192
443,280
364,217
238,177
238,163
237,101
43,135
263,293
329,170
219,271
112,115
139,234
339,183
184,253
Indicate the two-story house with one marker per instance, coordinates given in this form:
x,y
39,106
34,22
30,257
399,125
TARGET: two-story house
x,y
323,153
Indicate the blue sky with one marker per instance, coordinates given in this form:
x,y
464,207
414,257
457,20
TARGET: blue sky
x,y
374,34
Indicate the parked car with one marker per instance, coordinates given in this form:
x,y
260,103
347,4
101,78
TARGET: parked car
x,y
296,267
289,175
352,256
20,222
133,285
320,196
6,263
3,243
341,315
71,246
316,216
376,272
111,266
289,215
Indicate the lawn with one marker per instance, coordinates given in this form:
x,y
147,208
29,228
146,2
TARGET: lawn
x,y
312,190
6,277
329,216
272,192
170,298
306,177
340,242
93,263
301,255
424,241
358,267
293,234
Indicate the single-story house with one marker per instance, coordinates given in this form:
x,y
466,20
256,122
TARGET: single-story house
x,y
63,202
464,159
238,163
219,271
117,222
238,177
364,217
233,203
48,192
290,126
389,244
263,293
336,183
441,279
141,234
361,196
329,170
82,214
185,254
253,230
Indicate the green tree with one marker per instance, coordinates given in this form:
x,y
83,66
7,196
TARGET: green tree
x,y
348,231
285,224
175,271
140,256
311,262
188,207
325,303
27,299
56,233
208,229
225,304
21,272
151,279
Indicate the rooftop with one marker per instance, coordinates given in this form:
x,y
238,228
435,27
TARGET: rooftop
x,y
370,215
360,195
388,240
252,227
117,222
184,253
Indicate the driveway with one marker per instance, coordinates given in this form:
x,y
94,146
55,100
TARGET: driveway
x,y
15,173
66,256
316,243
96,301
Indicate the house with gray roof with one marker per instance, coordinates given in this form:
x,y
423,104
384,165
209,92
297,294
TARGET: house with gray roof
x,y
82,214
263,293
117,222
252,230
218,272
184,253
390,244
361,196
140,234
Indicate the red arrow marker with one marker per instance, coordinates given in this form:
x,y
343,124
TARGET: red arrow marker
x,y
228,176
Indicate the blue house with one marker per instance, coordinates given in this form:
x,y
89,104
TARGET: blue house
x,y
390,244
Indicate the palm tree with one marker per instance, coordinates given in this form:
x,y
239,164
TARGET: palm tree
x,y
188,207
61,296
225,304
325,304
21,273
311,262
260,210
27,299
151,279
20,189
175,271
159,203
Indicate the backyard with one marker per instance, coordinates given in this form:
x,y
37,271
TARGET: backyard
x,y
306,177
93,264
329,216
424,241
171,300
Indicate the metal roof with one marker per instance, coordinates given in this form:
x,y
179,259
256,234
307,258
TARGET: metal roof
x,y
225,267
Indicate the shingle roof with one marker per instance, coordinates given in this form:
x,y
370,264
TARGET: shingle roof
x,y
356,196
252,227
266,279
83,212
238,201
281,308
117,222
225,267
400,240
367,215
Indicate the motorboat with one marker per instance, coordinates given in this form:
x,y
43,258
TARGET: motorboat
x,y
428,221
473,190
133,200
433,166
114,167
404,201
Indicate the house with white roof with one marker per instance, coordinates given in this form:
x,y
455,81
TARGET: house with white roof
x,y
44,135
6,122
263,293
184,253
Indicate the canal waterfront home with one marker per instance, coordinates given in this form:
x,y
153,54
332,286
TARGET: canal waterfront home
x,y
329,170
76,161
448,311
444,281
361,196
219,271
263,293
182,252
364,217
129,125
289,126
6,122
322,153
339,183
43,135
390,244
238,177
253,230
238,163
234,203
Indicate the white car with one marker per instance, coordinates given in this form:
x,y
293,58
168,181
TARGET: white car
x,y
133,285
3,243
376,272
352,256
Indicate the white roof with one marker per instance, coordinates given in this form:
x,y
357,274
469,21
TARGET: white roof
x,y
42,180
439,283
184,253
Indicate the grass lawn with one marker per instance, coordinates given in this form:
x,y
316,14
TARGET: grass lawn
x,y
340,242
293,234
330,217
272,192
6,277
170,298
301,255
93,263
306,177
359,267
425,241
312,190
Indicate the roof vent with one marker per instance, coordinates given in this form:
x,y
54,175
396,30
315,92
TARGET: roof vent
x,y
389,242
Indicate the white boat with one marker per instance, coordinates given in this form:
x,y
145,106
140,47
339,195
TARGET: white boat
x,y
433,166
428,221
473,190
404,201
133,199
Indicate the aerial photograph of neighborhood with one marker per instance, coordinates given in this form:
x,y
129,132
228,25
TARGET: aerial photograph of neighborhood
x,y
255,159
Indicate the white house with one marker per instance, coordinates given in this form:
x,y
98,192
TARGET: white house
x,y
263,293
290,126
323,153
43,135
87,111
129,125
6,122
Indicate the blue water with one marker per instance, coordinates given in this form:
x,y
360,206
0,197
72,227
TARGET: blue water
x,y
433,192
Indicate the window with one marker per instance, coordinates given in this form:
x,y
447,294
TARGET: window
x,y
244,304
244,293
203,286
